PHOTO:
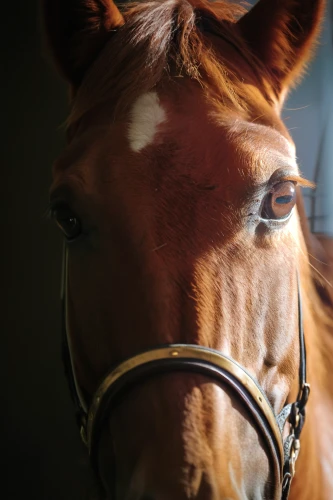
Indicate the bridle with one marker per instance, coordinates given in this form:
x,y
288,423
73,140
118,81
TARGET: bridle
x,y
198,359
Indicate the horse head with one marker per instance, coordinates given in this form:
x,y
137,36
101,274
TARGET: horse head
x,y
176,195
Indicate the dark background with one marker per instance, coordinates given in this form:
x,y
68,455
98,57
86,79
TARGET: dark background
x,y
41,451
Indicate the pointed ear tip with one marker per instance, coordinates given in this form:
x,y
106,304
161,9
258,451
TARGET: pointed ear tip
x,y
65,42
272,37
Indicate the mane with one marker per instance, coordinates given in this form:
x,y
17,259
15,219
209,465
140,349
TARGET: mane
x,y
166,40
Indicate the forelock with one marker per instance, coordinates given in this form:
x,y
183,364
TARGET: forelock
x,y
161,40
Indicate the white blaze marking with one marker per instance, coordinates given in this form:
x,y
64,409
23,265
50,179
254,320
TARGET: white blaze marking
x,y
145,117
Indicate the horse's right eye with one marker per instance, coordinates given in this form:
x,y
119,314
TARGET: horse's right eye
x,y
280,201
67,221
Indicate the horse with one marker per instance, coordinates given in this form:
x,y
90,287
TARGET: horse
x,y
191,280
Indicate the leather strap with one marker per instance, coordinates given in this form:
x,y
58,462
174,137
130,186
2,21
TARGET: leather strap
x,y
81,407
179,357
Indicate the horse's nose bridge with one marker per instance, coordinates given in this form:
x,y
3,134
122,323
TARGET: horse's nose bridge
x,y
179,458
170,444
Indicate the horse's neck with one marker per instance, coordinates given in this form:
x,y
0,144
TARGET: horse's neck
x,y
314,468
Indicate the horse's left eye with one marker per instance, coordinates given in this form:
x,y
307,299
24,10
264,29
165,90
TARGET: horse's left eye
x,y
67,221
280,201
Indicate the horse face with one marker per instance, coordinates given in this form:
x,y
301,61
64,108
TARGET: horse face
x,y
175,247
179,216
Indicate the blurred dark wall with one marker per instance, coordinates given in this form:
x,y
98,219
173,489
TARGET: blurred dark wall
x,y
41,453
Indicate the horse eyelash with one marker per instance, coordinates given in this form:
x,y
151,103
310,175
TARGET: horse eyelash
x,y
49,211
299,180
51,207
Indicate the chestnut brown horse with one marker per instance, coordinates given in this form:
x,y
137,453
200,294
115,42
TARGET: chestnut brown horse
x,y
176,195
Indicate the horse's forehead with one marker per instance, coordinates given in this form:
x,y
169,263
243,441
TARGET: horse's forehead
x,y
152,120
151,113
227,138
262,148
252,136
196,125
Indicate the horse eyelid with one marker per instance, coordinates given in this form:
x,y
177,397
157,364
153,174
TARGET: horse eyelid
x,y
299,181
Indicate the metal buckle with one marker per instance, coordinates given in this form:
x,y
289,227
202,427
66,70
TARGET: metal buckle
x,y
303,396
294,452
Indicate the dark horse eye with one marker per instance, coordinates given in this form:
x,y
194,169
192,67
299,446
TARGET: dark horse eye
x,y
67,221
280,201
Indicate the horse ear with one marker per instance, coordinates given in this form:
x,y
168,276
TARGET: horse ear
x,y
76,31
281,33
